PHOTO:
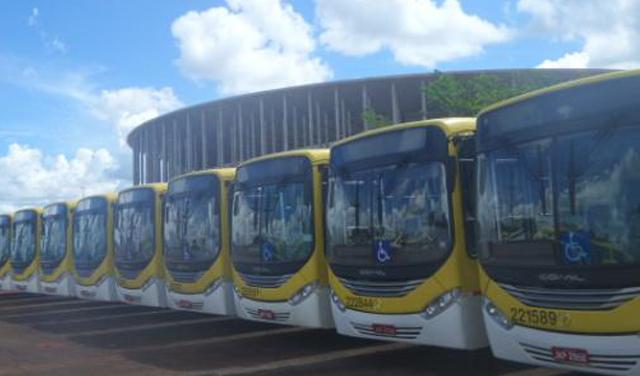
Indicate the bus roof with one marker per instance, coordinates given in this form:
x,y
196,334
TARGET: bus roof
x,y
38,210
110,196
591,80
156,187
316,156
71,204
227,173
449,126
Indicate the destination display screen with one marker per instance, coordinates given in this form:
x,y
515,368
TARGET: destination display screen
x,y
421,143
273,170
557,112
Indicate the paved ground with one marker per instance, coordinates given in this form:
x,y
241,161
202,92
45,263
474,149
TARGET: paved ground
x,y
62,336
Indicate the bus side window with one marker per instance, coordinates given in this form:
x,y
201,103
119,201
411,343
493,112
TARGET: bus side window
x,y
467,162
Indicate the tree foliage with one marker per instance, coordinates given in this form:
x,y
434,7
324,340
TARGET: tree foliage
x,y
450,95
459,95
374,120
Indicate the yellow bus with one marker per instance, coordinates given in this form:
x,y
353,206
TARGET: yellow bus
x,y
25,250
5,252
559,225
400,266
56,261
197,242
93,248
277,240
138,245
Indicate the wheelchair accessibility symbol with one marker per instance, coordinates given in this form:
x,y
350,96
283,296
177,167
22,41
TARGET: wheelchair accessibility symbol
x,y
266,251
576,248
382,250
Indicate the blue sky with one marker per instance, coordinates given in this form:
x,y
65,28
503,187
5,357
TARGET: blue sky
x,y
76,76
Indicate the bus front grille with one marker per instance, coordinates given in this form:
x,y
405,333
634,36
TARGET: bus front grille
x,y
260,314
573,299
618,363
387,331
265,281
387,289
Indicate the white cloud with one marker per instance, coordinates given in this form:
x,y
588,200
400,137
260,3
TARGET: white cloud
x,y
127,108
123,108
417,32
31,178
569,60
608,31
33,17
51,43
248,45
58,45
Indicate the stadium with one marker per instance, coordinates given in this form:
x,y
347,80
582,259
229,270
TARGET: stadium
x,y
226,131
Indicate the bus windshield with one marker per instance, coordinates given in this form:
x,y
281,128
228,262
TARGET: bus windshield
x,y
571,200
90,238
54,240
134,232
5,242
390,215
23,251
273,223
192,226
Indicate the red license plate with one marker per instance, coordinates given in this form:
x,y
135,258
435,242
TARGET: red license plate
x,y
266,314
389,330
185,304
567,355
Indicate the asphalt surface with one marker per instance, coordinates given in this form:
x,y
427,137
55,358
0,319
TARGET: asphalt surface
x,y
63,336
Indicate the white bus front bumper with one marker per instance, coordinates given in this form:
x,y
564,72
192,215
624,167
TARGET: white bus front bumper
x,y
31,285
609,355
104,290
218,300
459,326
5,282
64,286
314,311
152,294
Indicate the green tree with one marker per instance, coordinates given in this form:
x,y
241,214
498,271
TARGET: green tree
x,y
450,95
373,119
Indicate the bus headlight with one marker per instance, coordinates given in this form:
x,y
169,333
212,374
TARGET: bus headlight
x,y
440,304
338,303
236,290
497,315
303,293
